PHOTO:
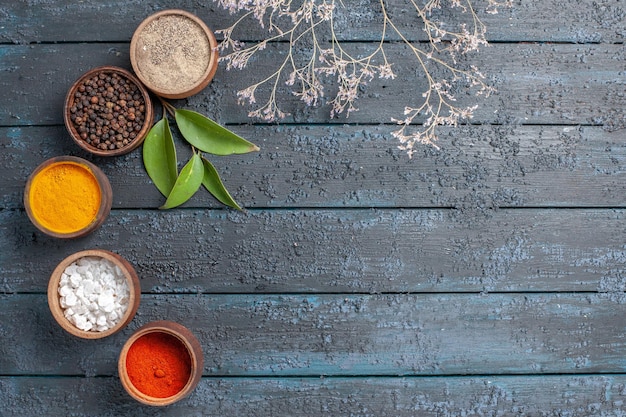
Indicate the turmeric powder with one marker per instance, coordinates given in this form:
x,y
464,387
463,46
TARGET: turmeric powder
x,y
65,197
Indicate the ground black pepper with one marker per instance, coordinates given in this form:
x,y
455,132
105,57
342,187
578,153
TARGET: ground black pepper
x,y
173,53
107,111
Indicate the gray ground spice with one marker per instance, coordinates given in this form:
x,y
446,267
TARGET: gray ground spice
x,y
173,53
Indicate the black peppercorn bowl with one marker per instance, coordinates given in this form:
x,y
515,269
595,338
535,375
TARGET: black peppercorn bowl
x,y
108,111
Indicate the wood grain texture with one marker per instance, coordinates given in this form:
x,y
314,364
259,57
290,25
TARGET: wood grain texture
x,y
536,84
547,21
597,395
484,278
317,335
477,168
328,251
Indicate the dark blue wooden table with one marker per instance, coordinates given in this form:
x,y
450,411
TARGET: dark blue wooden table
x,y
485,277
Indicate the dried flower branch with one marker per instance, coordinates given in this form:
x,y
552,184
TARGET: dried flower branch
x,y
301,24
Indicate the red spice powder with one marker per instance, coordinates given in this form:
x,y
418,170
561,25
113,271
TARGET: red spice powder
x,y
158,364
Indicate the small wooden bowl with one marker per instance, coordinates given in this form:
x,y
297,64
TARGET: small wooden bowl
x,y
179,334
143,56
71,102
54,298
31,194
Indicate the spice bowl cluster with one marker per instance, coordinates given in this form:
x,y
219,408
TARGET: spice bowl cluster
x,y
95,293
108,112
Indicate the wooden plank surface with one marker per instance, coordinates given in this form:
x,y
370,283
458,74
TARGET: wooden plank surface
x,y
548,21
478,168
347,335
544,84
595,395
486,277
339,251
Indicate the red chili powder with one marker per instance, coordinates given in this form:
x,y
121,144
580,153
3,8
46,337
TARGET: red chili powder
x,y
158,364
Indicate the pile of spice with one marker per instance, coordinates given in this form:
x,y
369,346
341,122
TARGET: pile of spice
x,y
158,364
94,294
65,197
173,54
107,111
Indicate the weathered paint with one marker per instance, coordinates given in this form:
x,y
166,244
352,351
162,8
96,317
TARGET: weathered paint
x,y
347,251
547,85
537,166
331,335
486,277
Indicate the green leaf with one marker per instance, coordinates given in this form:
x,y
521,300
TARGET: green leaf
x,y
159,157
188,182
208,136
213,183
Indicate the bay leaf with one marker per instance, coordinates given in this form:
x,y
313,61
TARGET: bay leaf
x,y
208,136
159,157
187,183
213,183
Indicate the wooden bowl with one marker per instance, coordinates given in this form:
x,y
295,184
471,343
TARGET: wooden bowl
x,y
187,67
176,334
67,194
54,297
107,110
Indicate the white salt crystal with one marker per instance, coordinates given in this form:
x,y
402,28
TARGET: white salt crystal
x,y
64,290
80,293
70,300
91,318
105,300
88,287
65,279
75,279
101,320
94,294
80,321
70,270
80,309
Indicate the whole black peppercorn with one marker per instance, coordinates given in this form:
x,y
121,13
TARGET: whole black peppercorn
x,y
107,110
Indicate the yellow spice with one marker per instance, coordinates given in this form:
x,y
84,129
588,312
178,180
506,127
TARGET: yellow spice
x,y
65,197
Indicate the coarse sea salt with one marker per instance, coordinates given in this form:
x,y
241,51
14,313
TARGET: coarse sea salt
x,y
94,294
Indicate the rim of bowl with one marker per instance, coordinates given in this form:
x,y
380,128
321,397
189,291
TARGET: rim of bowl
x,y
148,120
106,196
209,73
194,349
127,270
